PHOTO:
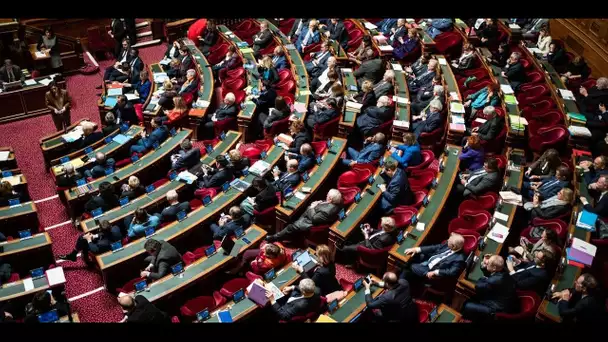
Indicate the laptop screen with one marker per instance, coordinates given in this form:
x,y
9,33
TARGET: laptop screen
x,y
64,160
24,234
371,179
81,181
14,201
358,197
238,295
123,201
203,315
6,173
173,175
97,212
433,315
124,127
222,135
400,238
269,275
303,259
88,150
48,317
134,158
108,140
109,171
149,231
225,186
239,232
319,160
209,149
172,132
263,155
305,177
140,286
333,306
155,145
177,268
341,215
37,272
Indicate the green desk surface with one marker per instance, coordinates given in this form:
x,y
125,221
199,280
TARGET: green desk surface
x,y
18,245
353,305
318,175
143,201
403,110
435,205
165,148
349,79
284,277
512,109
155,68
445,317
448,76
175,229
16,289
571,105
493,247
198,269
426,39
206,73
22,209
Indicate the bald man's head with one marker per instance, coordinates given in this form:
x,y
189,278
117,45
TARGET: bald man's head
x,y
496,264
126,301
390,279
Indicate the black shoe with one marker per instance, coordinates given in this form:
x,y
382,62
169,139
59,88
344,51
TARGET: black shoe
x,y
70,257
271,238
98,87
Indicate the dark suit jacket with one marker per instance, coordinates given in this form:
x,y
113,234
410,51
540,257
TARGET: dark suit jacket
x,y
262,39
109,129
299,307
549,188
479,185
16,72
168,52
383,88
323,213
516,75
166,100
592,175
325,279
497,291
131,194
125,114
187,63
285,181
164,260
298,140
590,309
366,99
66,181
91,139
395,304
600,208
118,29
280,63
158,135
265,100
370,152
451,266
371,70
594,98
230,227
146,312
432,122
266,198
338,33
217,179
550,212
169,214
534,279
297,22
273,116
491,128
225,112
321,116
373,117
104,242
187,159
209,38
306,163
99,202
398,189
136,65
379,241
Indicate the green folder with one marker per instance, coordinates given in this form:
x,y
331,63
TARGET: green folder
x,y
510,99
577,117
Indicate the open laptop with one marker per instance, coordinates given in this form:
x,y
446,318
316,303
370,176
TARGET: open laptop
x,y
227,244
305,260
433,315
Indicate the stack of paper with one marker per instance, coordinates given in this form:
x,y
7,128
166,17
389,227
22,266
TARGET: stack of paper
x,y
325,319
40,54
456,107
566,94
401,123
511,99
442,61
386,48
187,176
579,131
586,220
246,50
4,155
259,168
285,138
499,232
55,276
397,67
581,253
457,119
535,50
514,27
160,77
457,127
45,81
165,61
299,107
14,180
132,97
111,101
353,106
401,100
346,70
510,197
201,103
72,136
120,138
115,92
518,123
480,120
577,118
30,82
506,88
369,26
454,96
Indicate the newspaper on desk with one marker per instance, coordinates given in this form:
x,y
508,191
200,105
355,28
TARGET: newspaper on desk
x,y
510,197
30,82
454,96
401,100
259,168
45,81
131,96
499,232
73,135
514,27
457,107
160,77
397,67
535,50
401,123
506,88
165,61
566,94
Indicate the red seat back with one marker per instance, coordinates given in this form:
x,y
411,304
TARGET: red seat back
x,y
348,194
353,177
529,302
327,129
319,147
427,158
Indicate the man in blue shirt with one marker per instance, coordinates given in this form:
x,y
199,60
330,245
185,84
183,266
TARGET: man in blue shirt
x,y
373,148
306,159
159,134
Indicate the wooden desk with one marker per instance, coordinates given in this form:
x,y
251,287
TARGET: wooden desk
x,y
402,110
548,310
76,201
15,291
514,34
245,116
25,102
10,162
465,288
109,149
206,85
293,206
113,264
33,49
353,305
348,120
286,276
158,196
21,217
450,86
446,314
428,215
340,231
27,254
53,146
201,269
17,180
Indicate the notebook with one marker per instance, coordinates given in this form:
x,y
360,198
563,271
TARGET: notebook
x,y
224,316
257,294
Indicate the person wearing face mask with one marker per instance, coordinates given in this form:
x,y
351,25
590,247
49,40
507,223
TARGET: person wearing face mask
x,y
59,103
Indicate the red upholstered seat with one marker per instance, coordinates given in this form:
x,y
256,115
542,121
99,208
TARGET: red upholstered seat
x,y
238,73
345,284
14,277
266,217
233,285
548,119
588,83
277,127
188,257
427,158
424,309
317,235
372,258
403,215
353,177
285,25
198,304
348,194
201,193
486,202
224,126
546,138
495,145
532,93
312,48
319,147
448,43
129,286
244,25
475,221
559,226
419,196
348,25
470,239
383,128
232,85
285,74
476,85
218,54
529,302
422,180
535,77
287,86
174,319
327,129
428,140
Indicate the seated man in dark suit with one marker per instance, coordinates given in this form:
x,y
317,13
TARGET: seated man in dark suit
x,y
265,99
318,61
230,223
423,79
106,199
226,111
479,181
111,125
159,134
262,38
261,196
371,69
124,111
373,149
301,301
337,32
96,242
288,179
10,72
373,238
395,304
428,122
495,292
514,71
169,214
385,86
99,166
139,310
424,98
601,201
590,99
214,178
187,157
119,72
552,207
69,177
532,276
306,158
372,117
132,189
396,188
437,261
593,170
89,136
279,61
318,213
547,187
324,115
162,256
583,303
490,129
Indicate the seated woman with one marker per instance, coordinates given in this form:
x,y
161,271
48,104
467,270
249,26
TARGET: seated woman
x,y
323,115
486,96
576,71
358,55
500,57
7,193
336,92
166,98
408,153
300,136
97,242
465,61
309,37
132,189
402,46
544,40
488,32
324,90
239,163
140,222
180,109
552,207
472,156
142,88
544,167
269,256
324,276
366,97
268,73
280,111
526,250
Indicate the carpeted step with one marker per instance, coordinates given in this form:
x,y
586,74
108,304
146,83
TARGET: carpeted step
x,y
147,43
